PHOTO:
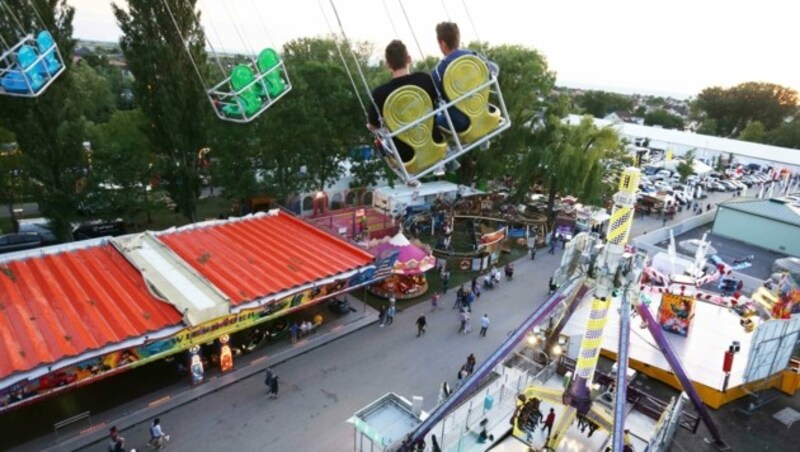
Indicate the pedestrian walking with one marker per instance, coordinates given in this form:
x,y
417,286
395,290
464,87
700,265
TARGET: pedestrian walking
x,y
295,329
470,365
435,302
116,443
548,423
268,376
469,297
533,252
463,318
445,281
390,314
273,388
421,323
553,241
484,324
157,436
444,393
474,284
477,292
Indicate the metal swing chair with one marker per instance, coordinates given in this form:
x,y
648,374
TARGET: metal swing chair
x,y
32,64
409,115
250,88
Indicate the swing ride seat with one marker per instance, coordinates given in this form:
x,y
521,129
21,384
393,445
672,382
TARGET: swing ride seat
x,y
411,105
251,88
47,47
268,63
247,101
26,71
467,76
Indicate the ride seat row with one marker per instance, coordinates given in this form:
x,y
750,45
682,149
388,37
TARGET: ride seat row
x,y
411,106
254,90
27,68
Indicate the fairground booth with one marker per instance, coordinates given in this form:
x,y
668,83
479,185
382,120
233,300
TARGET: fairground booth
x,y
412,260
75,313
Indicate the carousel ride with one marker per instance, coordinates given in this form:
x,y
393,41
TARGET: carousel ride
x,y
408,274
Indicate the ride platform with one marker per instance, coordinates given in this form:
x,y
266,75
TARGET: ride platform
x,y
714,329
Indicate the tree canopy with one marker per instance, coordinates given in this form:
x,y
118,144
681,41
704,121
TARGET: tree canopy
x,y
664,119
50,129
732,109
168,62
602,103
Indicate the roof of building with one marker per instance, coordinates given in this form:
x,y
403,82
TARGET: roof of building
x,y
63,304
703,142
779,209
263,254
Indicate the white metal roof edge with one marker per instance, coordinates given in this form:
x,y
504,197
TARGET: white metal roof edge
x,y
53,249
217,222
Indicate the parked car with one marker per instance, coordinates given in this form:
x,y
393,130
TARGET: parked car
x,y
20,242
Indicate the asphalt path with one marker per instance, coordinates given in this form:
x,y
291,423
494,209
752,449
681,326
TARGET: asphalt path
x,y
320,390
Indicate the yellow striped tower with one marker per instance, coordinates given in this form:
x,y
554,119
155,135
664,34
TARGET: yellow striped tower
x,y
619,227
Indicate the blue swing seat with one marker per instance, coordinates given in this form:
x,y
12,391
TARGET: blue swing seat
x,y
23,78
47,47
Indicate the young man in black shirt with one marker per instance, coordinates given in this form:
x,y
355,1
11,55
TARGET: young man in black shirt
x,y
398,62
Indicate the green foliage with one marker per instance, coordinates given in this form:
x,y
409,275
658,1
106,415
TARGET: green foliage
x,y
121,166
734,108
753,132
91,93
567,158
664,119
168,90
50,129
685,167
602,103
786,135
525,81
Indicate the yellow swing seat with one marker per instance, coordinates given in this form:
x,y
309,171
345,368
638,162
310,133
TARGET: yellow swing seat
x,y
465,75
408,105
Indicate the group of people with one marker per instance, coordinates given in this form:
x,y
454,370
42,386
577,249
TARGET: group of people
x,y
158,438
528,416
398,60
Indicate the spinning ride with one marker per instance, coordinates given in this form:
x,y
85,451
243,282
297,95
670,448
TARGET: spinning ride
x,y
408,274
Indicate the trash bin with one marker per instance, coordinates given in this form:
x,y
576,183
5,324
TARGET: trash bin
x,y
488,402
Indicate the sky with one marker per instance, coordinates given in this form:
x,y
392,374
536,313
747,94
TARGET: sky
x,y
675,47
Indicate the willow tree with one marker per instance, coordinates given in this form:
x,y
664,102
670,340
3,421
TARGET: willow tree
x,y
50,129
566,159
164,45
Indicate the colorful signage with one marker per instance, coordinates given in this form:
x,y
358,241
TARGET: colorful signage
x,y
676,313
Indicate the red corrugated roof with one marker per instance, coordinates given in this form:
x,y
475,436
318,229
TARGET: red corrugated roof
x,y
260,256
65,304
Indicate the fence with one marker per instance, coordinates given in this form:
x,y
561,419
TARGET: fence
x,y
489,408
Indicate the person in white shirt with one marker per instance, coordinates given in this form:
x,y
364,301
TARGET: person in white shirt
x,y
157,436
484,324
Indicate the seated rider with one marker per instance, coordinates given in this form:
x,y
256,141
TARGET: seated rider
x,y
398,61
449,38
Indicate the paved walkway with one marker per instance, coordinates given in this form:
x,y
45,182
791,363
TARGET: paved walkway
x,y
321,390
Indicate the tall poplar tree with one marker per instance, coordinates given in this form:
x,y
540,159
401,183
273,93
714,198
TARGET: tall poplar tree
x,y
164,45
50,129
